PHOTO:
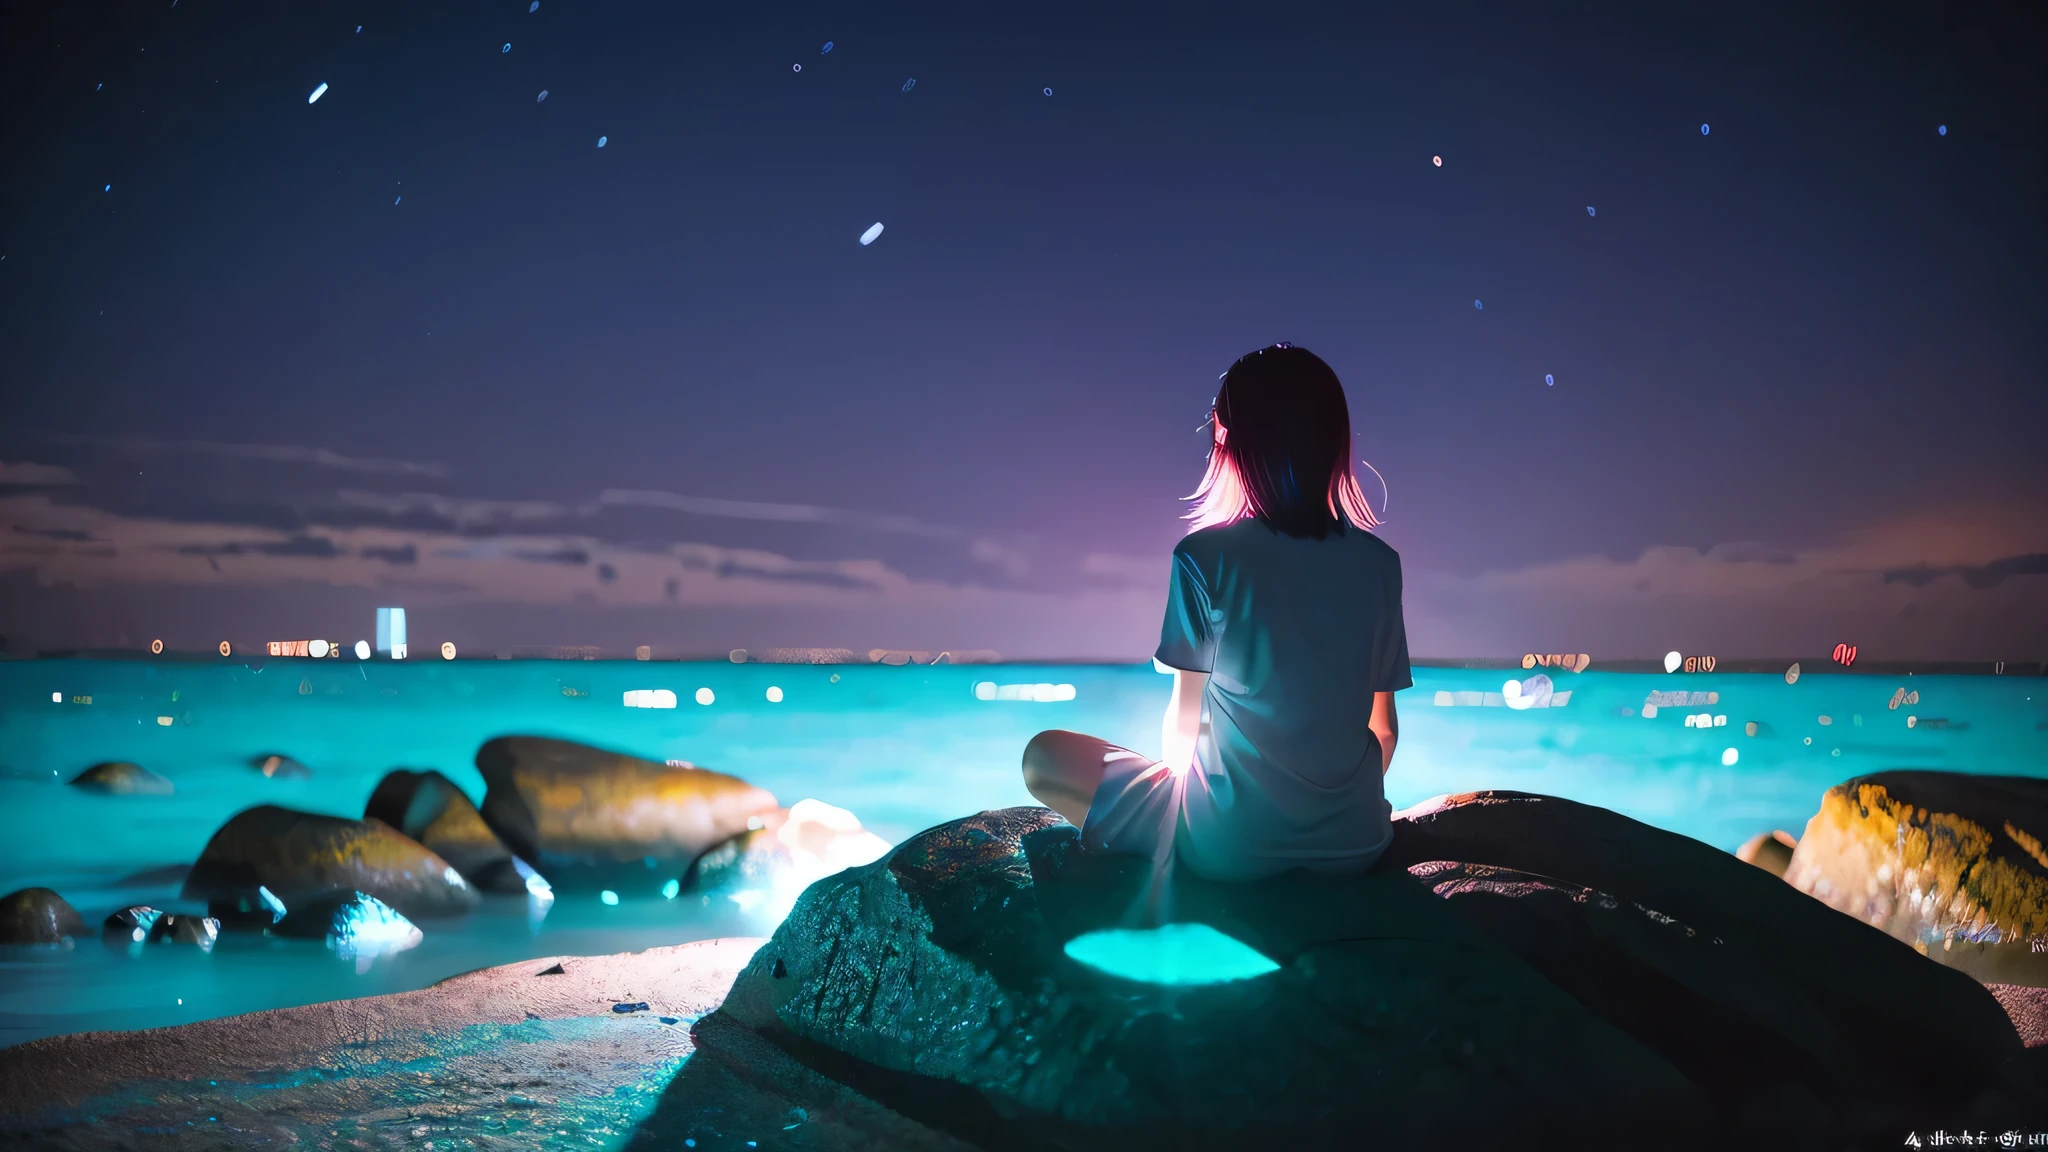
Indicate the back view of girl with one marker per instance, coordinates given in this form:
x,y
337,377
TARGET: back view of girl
x,y
1283,628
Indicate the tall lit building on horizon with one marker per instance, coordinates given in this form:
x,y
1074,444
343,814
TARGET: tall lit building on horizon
x,y
391,632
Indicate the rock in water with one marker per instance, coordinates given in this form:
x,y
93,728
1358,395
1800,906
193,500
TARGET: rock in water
x,y
769,867
354,924
38,916
129,926
279,767
121,778
936,980
428,807
1770,851
296,855
171,928
589,818
1952,864
1851,1016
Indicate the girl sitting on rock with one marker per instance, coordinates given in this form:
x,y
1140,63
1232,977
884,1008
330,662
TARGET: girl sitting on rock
x,y
1283,630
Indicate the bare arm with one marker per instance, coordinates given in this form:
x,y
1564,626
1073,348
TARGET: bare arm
x,y
1183,719
1386,725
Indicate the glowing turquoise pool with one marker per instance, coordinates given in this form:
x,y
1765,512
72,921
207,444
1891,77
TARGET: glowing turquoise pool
x,y
902,747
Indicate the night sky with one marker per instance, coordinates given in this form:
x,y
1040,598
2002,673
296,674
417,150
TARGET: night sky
x,y
269,364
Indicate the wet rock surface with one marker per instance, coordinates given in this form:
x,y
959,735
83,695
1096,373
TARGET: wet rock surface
x,y
129,925
428,807
297,855
499,1059
122,778
38,916
589,818
936,981
173,928
1853,1007
1954,865
1459,1002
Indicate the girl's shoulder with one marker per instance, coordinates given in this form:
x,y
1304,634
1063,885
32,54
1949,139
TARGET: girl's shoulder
x,y
1251,535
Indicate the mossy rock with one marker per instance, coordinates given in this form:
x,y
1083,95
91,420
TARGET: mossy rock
x,y
1951,864
302,854
121,778
586,817
38,916
428,807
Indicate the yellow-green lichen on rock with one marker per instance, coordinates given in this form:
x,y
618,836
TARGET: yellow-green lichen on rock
x,y
1943,861
589,816
297,855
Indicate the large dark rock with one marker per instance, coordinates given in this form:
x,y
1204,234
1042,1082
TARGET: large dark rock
x,y
587,817
935,980
296,855
1953,865
1841,1010
428,807
1518,969
121,778
38,916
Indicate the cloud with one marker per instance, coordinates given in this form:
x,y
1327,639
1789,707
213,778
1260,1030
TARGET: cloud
x,y
27,474
1014,563
1140,570
1976,576
271,453
1883,587
779,513
562,568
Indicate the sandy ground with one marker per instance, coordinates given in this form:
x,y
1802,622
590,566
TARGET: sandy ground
x,y
500,1058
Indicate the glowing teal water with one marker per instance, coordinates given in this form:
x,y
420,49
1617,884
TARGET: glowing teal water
x,y
903,748
1173,954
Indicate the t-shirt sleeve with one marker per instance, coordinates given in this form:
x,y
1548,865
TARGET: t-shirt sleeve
x,y
1187,638
1390,647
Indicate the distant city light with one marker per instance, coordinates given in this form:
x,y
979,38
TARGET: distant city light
x,y
643,652
1729,757
1672,660
56,697
447,650
774,694
868,237
225,648
317,92
318,648
362,649
156,647
1037,693
705,696
1437,160
650,698
391,631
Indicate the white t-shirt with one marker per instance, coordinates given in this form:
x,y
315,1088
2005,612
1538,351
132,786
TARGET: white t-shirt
x,y
1296,635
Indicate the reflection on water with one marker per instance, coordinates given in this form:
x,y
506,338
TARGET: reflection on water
x,y
901,748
